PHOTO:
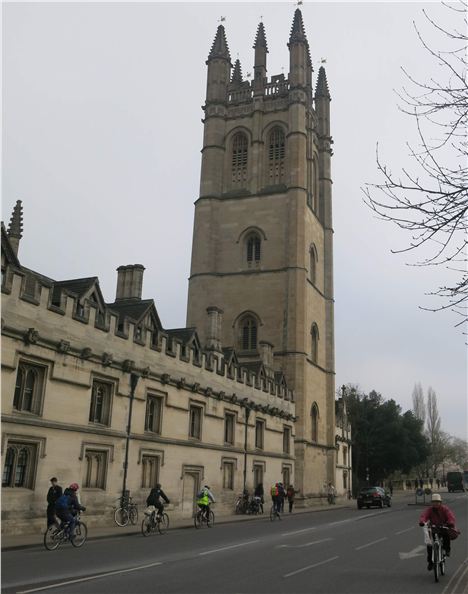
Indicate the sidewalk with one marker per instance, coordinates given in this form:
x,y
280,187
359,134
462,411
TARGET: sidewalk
x,y
26,541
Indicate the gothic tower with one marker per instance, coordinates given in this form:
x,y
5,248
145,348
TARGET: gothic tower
x,y
262,242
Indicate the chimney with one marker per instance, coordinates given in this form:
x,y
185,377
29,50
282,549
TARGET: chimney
x,y
266,355
129,282
215,320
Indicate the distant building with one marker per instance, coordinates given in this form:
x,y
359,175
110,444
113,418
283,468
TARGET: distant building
x,y
245,393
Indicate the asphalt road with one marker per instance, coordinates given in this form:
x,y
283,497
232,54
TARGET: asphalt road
x,y
341,551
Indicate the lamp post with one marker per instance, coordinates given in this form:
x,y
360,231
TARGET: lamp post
x,y
247,414
134,377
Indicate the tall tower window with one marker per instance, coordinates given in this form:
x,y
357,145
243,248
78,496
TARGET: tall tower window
x,y
276,152
315,186
313,264
254,244
248,334
239,158
314,420
314,340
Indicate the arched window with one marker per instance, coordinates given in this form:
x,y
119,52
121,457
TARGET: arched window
x,y
248,334
276,152
28,388
314,423
314,343
19,466
239,159
253,245
313,258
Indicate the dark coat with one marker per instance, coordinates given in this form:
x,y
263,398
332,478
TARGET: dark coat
x,y
155,495
53,494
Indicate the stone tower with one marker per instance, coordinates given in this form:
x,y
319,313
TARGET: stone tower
x,y
263,238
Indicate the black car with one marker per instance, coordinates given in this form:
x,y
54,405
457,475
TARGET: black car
x,y
373,496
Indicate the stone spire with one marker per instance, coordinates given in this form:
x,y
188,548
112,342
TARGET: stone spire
x,y
220,48
297,29
260,40
321,89
15,228
237,73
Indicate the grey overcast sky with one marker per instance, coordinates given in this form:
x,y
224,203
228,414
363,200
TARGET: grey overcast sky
x,y
101,140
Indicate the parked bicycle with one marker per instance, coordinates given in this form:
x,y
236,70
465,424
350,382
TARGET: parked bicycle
x,y
242,504
154,522
54,536
202,517
274,513
126,512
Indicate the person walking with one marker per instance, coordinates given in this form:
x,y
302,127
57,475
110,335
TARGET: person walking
x,y
54,492
390,488
331,493
290,493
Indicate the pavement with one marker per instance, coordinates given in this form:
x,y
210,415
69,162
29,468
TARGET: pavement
x,y
25,541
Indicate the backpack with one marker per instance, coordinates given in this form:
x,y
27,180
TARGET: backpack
x,y
274,491
63,502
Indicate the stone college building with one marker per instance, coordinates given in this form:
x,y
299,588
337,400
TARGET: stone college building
x,y
101,393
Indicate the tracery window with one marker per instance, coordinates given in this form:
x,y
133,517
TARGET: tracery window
x,y
20,465
254,247
28,388
276,154
239,158
248,334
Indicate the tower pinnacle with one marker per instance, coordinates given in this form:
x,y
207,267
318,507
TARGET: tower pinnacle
x,y
321,89
237,73
15,228
260,40
220,48
297,29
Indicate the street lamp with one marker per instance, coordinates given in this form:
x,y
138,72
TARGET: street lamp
x,y
134,377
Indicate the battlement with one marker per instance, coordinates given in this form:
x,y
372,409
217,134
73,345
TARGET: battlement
x,y
244,92
23,292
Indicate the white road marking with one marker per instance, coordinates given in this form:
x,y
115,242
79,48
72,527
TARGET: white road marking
x,y
87,579
403,531
342,522
309,567
414,553
369,544
307,544
299,531
242,544
457,577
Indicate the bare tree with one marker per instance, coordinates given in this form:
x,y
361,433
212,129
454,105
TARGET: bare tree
x,y
439,441
419,406
430,200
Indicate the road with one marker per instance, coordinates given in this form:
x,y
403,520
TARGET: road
x,y
341,551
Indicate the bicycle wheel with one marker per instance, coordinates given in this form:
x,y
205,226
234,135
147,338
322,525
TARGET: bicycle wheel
x,y
211,519
197,519
121,516
80,535
147,526
52,538
133,515
163,523
436,561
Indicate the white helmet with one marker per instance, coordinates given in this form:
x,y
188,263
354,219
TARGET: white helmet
x,y
436,497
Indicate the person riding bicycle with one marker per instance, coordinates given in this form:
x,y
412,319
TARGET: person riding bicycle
x,y
438,515
67,506
277,496
204,498
154,498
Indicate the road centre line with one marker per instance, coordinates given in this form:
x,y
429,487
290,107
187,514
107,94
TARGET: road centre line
x,y
457,577
310,567
87,579
242,544
369,544
299,531
301,546
403,531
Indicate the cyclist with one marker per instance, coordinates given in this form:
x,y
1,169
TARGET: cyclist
x,y
438,515
276,496
204,498
155,496
67,506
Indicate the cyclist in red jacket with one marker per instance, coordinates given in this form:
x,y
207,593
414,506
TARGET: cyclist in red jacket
x,y
438,515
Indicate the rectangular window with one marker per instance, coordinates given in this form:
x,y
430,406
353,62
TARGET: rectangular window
x,y
29,387
287,440
96,469
195,419
149,471
20,465
229,428
345,456
228,475
153,417
100,408
259,433
258,474
286,476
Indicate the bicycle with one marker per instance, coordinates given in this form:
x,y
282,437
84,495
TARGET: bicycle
x,y
201,517
274,513
154,521
55,536
127,512
438,552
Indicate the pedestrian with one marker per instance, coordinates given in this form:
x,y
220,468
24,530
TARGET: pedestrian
x,y
421,483
282,496
416,484
259,492
431,482
54,492
290,493
331,493
438,483
390,487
